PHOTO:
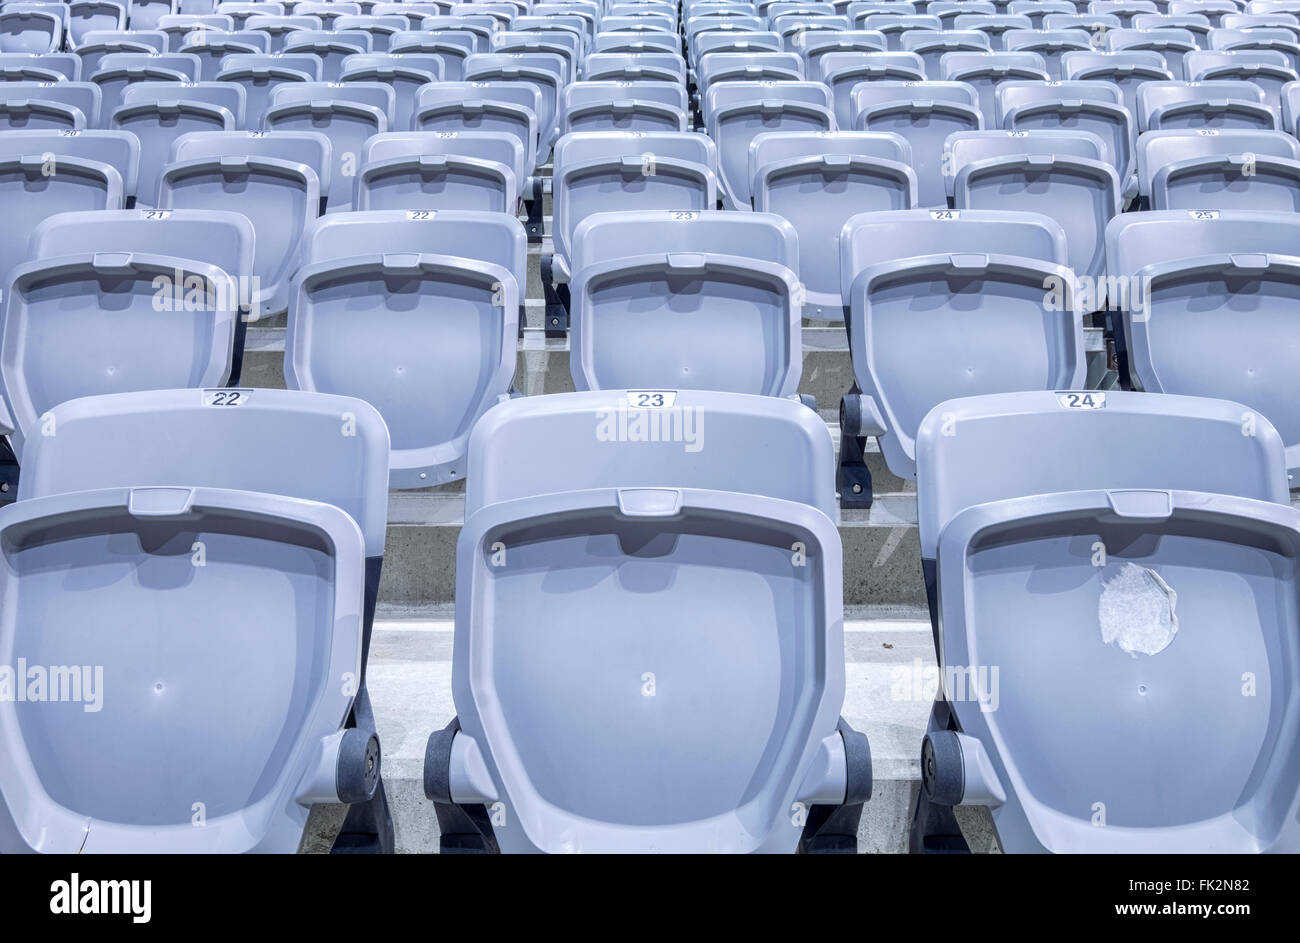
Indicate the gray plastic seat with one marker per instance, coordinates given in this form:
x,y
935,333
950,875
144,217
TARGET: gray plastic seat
x,y
1196,23
42,105
453,47
158,113
996,25
895,25
1235,275
637,42
120,69
924,117
1043,172
1092,106
1201,170
686,299
330,51
274,178
1269,69
1189,105
119,149
563,755
1050,44
1171,44
258,81
844,71
544,71
281,578
623,106
464,170
933,45
93,51
20,67
347,113
146,14
598,172
405,73
747,66
948,10
635,67
1036,10
1128,70
379,28
1282,39
987,70
81,322
557,40
976,319
820,42
738,111
176,26
816,181
715,41
327,10
510,107
35,186
279,28
86,16
416,313
1150,497
33,31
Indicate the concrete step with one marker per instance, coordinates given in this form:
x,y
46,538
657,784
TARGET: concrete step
x,y
410,686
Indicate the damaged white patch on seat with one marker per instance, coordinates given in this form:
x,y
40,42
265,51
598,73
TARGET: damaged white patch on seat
x,y
1136,611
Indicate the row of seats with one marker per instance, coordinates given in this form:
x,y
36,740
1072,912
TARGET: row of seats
x,y
960,358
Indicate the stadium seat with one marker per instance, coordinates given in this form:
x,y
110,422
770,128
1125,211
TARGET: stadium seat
x,y
599,768
270,560
49,105
1128,514
146,14
821,42
923,114
58,344
994,25
1282,40
1201,170
933,45
1267,68
1204,273
451,46
939,308
1061,174
275,178
85,16
635,67
816,181
1171,44
844,71
463,170
623,106
31,31
1037,10
1290,95
699,299
279,28
544,71
158,113
1187,105
1050,44
405,73
511,107
987,70
330,48
118,149
417,314
737,111
347,113
120,69
51,67
259,78
1094,106
895,25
